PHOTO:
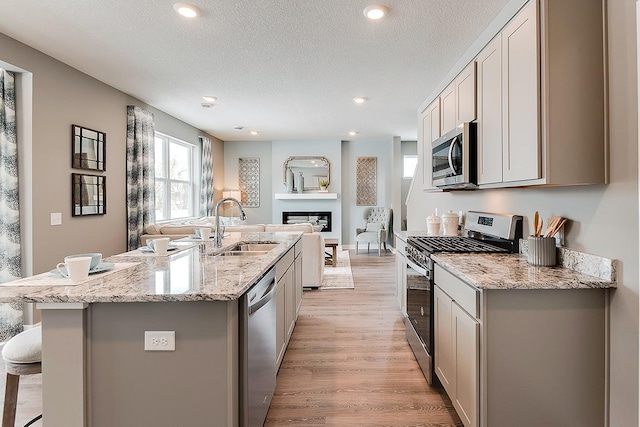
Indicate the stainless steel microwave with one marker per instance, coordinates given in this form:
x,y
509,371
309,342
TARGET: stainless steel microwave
x,y
453,159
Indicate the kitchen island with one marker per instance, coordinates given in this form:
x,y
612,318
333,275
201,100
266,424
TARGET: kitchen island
x,y
95,368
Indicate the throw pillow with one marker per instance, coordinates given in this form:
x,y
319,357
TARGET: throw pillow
x,y
374,226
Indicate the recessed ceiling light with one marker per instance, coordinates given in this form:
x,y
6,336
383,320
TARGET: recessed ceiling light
x,y
186,10
206,106
375,12
359,99
353,133
210,99
253,132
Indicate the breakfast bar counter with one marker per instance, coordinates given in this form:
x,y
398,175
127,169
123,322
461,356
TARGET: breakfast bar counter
x,y
97,367
192,272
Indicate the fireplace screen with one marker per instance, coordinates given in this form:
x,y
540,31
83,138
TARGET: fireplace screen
x,y
320,219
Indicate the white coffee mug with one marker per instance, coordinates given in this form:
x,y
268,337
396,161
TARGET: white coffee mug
x,y
77,268
160,245
204,233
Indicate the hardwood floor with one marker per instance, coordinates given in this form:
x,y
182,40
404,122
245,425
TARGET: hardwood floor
x,y
348,362
29,397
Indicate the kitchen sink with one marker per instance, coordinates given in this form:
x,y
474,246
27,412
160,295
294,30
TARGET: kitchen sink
x,y
249,249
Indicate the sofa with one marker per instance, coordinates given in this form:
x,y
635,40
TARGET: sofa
x,y
312,241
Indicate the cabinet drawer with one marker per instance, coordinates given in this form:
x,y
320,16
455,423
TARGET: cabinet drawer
x,y
466,296
285,262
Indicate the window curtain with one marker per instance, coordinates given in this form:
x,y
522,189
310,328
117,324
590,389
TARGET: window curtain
x,y
206,180
140,174
10,260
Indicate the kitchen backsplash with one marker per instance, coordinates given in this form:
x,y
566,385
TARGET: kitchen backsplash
x,y
593,265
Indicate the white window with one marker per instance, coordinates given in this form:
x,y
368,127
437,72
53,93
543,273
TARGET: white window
x,y
177,165
410,163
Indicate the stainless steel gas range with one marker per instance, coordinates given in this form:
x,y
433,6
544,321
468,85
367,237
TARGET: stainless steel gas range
x,y
484,233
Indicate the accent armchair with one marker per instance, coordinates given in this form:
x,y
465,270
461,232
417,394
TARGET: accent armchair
x,y
378,221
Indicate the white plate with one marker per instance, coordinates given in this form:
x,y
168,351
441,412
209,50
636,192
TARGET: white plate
x,y
100,268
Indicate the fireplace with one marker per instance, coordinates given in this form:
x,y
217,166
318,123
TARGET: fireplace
x,y
315,218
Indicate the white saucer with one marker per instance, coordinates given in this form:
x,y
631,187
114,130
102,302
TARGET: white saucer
x,y
148,250
102,267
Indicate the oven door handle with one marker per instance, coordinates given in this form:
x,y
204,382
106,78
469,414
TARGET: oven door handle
x,y
415,267
454,141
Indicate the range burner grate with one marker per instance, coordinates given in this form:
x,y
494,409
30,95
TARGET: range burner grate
x,y
456,244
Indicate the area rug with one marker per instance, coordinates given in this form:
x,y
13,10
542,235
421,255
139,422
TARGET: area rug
x,y
340,276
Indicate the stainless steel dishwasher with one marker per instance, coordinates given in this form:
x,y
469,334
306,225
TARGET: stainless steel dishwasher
x,y
257,350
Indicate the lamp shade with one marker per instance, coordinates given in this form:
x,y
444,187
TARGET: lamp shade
x,y
236,194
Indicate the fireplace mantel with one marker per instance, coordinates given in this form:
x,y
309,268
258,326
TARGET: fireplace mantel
x,y
305,196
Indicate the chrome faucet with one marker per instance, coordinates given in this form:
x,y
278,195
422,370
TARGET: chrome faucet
x,y
219,233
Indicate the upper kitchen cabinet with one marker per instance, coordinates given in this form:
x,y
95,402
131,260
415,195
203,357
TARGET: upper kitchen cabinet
x,y
466,94
520,88
489,67
541,98
428,131
458,100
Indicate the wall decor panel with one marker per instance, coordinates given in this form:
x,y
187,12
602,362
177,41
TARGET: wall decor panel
x,y
249,181
366,181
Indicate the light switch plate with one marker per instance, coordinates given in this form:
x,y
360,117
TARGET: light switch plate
x,y
159,340
56,218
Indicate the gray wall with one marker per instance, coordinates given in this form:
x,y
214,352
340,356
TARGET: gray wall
x,y
342,155
604,218
261,149
351,150
63,96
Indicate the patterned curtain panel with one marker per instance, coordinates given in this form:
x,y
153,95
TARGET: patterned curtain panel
x,y
140,174
10,262
206,181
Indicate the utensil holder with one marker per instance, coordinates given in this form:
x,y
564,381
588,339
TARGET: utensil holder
x,y
542,251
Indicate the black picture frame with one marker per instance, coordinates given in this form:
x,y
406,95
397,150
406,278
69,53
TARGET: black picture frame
x,y
88,148
88,194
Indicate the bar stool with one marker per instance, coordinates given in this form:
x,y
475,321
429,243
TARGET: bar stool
x,y
22,355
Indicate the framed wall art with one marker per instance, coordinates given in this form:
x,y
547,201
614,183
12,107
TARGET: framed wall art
x,y
88,193
366,181
88,148
249,181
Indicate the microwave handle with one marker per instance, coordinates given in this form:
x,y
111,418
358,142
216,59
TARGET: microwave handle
x,y
450,156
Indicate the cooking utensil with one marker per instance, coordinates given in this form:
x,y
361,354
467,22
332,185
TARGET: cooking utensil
x,y
553,223
557,226
536,223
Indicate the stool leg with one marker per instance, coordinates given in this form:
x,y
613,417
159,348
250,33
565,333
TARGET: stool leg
x,y
10,400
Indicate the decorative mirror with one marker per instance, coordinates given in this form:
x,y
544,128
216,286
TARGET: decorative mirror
x,y
314,169
88,148
88,194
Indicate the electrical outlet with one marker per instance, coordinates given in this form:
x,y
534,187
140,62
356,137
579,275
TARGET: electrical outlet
x,y
159,340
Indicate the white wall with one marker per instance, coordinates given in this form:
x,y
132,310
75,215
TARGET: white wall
x,y
407,147
604,218
351,150
261,149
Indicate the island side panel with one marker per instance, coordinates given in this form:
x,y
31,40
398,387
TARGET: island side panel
x,y
197,384
64,386
544,355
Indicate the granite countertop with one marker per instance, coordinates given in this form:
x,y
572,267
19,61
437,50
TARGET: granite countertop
x,y
189,273
500,271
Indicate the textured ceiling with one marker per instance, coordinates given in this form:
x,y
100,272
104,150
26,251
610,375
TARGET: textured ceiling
x,y
285,68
